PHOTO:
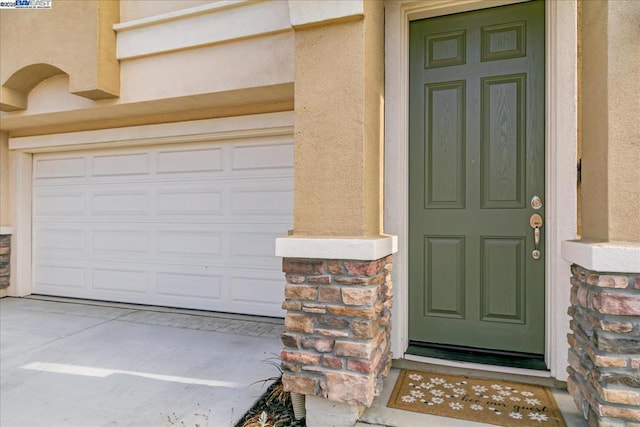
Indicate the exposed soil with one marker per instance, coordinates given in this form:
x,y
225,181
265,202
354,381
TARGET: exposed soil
x,y
272,409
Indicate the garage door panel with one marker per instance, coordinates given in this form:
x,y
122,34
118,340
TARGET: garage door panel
x,y
261,202
253,244
257,291
56,276
190,285
184,243
190,161
190,225
59,239
120,164
121,241
189,202
262,157
61,167
120,203
59,204
120,280
201,244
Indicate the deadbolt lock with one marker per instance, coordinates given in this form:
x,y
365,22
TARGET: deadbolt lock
x,y
536,202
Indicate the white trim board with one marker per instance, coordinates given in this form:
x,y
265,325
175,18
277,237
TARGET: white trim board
x,y
216,23
270,124
216,7
561,131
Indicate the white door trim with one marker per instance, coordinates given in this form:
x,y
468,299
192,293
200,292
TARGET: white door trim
x,y
21,160
561,133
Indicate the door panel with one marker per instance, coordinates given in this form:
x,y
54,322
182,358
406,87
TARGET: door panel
x,y
445,266
502,281
476,130
445,172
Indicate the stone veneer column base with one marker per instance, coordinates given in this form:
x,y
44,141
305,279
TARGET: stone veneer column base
x,y
338,323
5,257
604,354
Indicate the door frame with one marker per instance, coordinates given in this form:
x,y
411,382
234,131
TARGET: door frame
x,y
560,162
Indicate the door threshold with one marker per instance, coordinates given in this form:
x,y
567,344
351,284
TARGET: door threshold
x,y
490,370
476,355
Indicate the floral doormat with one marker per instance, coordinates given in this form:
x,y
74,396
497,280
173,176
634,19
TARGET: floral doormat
x,y
500,403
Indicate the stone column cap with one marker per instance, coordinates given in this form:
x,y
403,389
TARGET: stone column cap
x,y
610,256
6,230
356,248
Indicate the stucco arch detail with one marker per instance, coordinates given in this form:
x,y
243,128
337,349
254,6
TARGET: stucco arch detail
x,y
14,92
85,51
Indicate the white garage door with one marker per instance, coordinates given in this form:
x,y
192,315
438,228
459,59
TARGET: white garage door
x,y
184,225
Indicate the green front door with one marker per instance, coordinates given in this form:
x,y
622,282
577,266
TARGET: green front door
x,y
476,161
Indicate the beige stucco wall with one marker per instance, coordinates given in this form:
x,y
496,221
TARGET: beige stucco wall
x,y
130,9
4,179
73,37
610,128
579,28
213,81
624,123
374,117
594,104
338,128
234,76
4,188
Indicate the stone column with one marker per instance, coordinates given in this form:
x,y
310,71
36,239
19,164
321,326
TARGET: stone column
x,y
337,260
5,232
337,344
604,357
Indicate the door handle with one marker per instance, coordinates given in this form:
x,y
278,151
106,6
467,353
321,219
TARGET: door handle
x,y
536,223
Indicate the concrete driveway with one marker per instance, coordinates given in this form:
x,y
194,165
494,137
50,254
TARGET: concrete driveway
x,y
75,363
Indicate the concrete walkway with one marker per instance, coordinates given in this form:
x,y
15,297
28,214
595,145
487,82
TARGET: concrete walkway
x,y
76,363
65,363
